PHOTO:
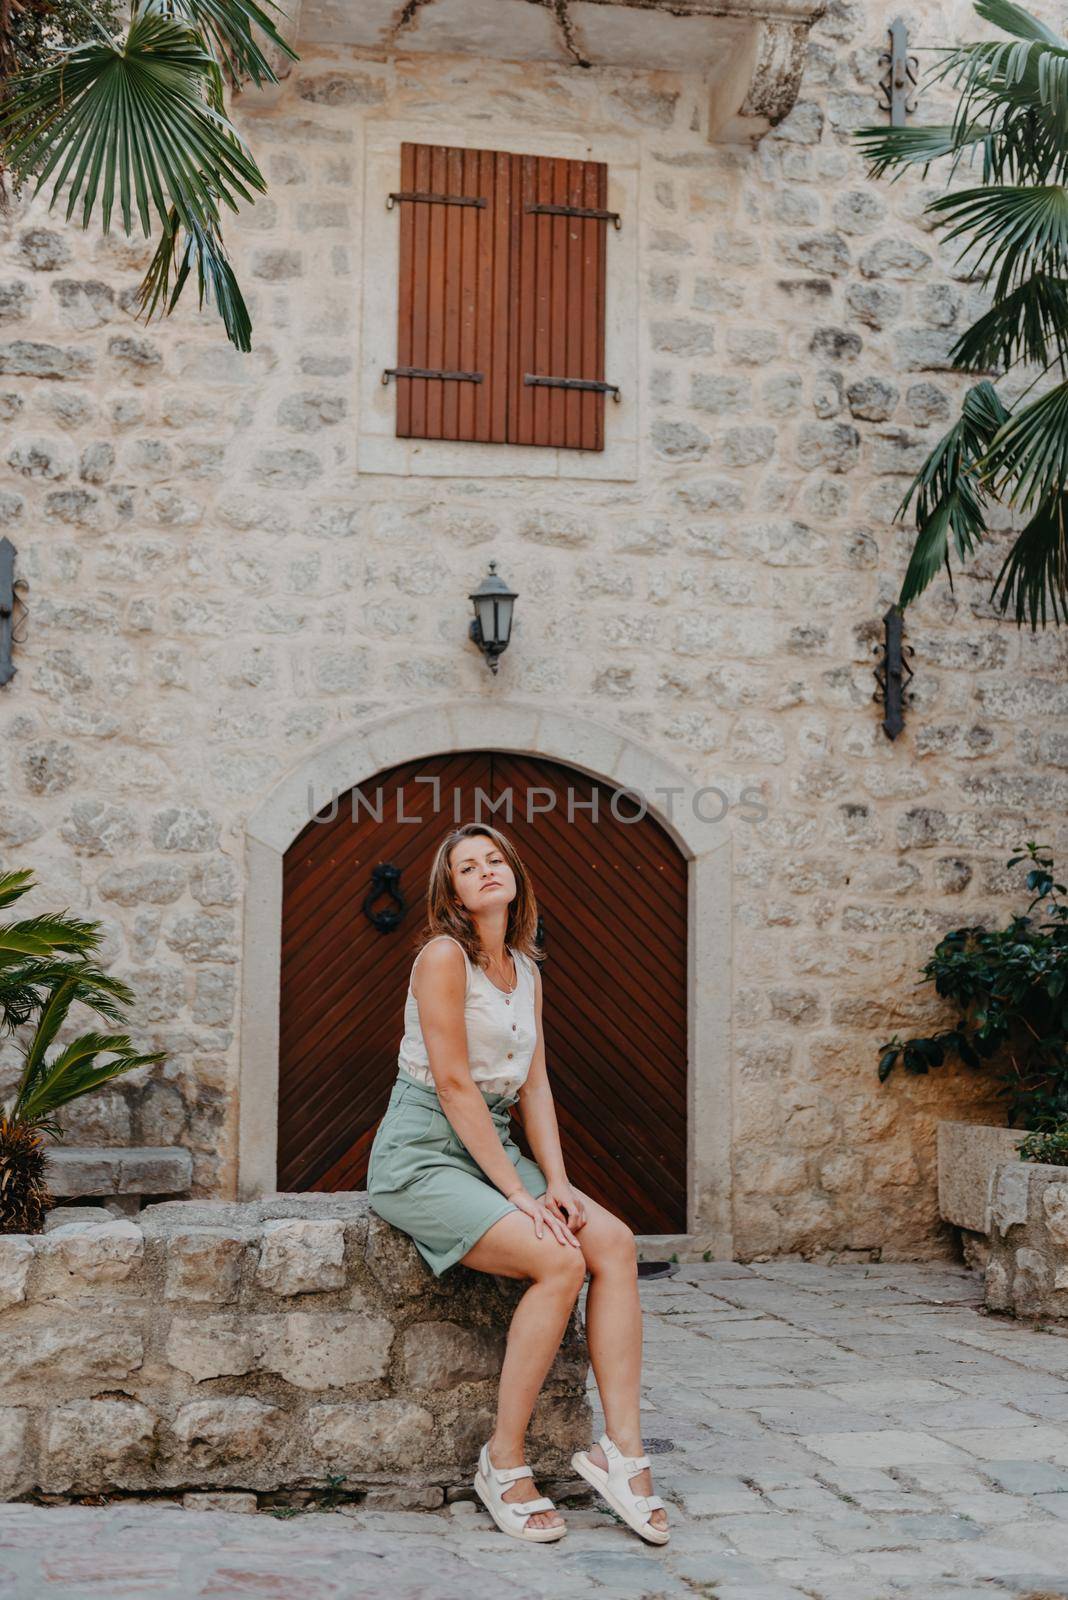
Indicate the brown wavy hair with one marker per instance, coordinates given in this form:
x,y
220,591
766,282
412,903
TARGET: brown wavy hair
x,y
446,913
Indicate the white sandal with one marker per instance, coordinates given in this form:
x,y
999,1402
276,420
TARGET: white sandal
x,y
635,1509
511,1515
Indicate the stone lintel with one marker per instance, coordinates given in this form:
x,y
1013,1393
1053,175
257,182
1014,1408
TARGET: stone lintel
x,y
752,51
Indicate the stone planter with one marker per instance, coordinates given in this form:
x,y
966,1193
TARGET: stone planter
x,y
1027,1269
968,1154
268,1345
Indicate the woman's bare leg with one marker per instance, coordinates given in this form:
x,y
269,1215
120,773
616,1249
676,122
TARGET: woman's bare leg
x,y
614,1336
511,1249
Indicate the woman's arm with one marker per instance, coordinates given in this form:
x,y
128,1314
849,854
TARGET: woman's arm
x,y
542,1130
438,983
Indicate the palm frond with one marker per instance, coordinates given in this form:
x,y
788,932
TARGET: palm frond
x,y
950,503
75,1072
1017,231
229,29
1025,325
1027,460
1034,577
24,988
1014,20
130,118
13,885
887,148
40,935
170,268
53,1015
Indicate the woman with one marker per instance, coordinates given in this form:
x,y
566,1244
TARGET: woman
x,y
445,1170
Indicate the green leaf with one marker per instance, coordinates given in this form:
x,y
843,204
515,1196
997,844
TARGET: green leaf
x,y
13,885
229,27
1027,460
886,1064
1015,20
169,271
1033,580
75,1072
1016,230
949,496
1025,325
885,148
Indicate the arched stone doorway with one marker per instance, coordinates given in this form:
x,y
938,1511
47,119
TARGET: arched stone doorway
x,y
600,752
612,900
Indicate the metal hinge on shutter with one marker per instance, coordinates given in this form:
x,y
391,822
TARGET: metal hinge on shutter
x,y
436,199
534,380
430,372
547,210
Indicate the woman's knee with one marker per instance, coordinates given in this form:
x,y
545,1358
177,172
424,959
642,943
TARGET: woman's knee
x,y
561,1265
608,1244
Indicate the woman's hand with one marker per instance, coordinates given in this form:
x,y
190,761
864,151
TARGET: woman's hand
x,y
563,1202
543,1218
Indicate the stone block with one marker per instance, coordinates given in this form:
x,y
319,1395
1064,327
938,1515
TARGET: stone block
x,y
39,1348
16,1257
300,1257
323,1350
67,1215
81,1255
205,1265
98,1444
241,1504
206,1347
231,1432
1008,1197
439,1355
15,1470
368,1437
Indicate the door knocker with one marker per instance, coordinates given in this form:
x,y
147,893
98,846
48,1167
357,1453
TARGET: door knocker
x,y
385,879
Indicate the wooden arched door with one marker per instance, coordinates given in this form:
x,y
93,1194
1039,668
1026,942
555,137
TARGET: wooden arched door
x,y
612,896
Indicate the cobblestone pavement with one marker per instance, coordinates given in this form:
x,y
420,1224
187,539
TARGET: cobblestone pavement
x,y
820,1433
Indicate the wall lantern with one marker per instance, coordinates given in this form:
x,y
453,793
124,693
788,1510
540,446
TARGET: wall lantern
x,y
491,625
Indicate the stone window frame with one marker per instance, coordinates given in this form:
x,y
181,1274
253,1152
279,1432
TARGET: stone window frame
x,y
378,450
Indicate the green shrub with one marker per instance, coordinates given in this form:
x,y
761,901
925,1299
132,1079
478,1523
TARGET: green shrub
x,y
1010,987
1050,1148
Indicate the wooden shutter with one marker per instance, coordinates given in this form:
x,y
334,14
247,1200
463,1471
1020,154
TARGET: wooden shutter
x,y
454,292
557,302
494,291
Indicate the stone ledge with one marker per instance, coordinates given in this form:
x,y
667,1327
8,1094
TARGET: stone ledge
x,y
968,1153
1027,1268
75,1170
267,1345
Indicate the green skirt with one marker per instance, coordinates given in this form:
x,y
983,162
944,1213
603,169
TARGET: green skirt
x,y
423,1181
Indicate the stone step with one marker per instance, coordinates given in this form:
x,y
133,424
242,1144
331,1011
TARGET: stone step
x,y
75,1170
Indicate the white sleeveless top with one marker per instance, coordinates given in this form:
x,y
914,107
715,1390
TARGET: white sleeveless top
x,y
502,1031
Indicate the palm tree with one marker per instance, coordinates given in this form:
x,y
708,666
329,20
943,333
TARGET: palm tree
x,y
1012,111
44,969
136,120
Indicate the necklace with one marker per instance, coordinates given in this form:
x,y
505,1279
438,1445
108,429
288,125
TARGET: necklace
x,y
514,986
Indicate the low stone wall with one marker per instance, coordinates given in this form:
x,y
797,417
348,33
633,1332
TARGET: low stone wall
x,y
282,1343
1027,1267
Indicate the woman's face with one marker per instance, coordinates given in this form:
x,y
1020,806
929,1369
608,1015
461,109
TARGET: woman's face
x,y
481,875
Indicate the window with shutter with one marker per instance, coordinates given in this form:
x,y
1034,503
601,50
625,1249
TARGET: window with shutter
x,y
501,302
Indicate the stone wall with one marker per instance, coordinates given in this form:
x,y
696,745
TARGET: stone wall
x,y
259,1346
216,589
1027,1239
